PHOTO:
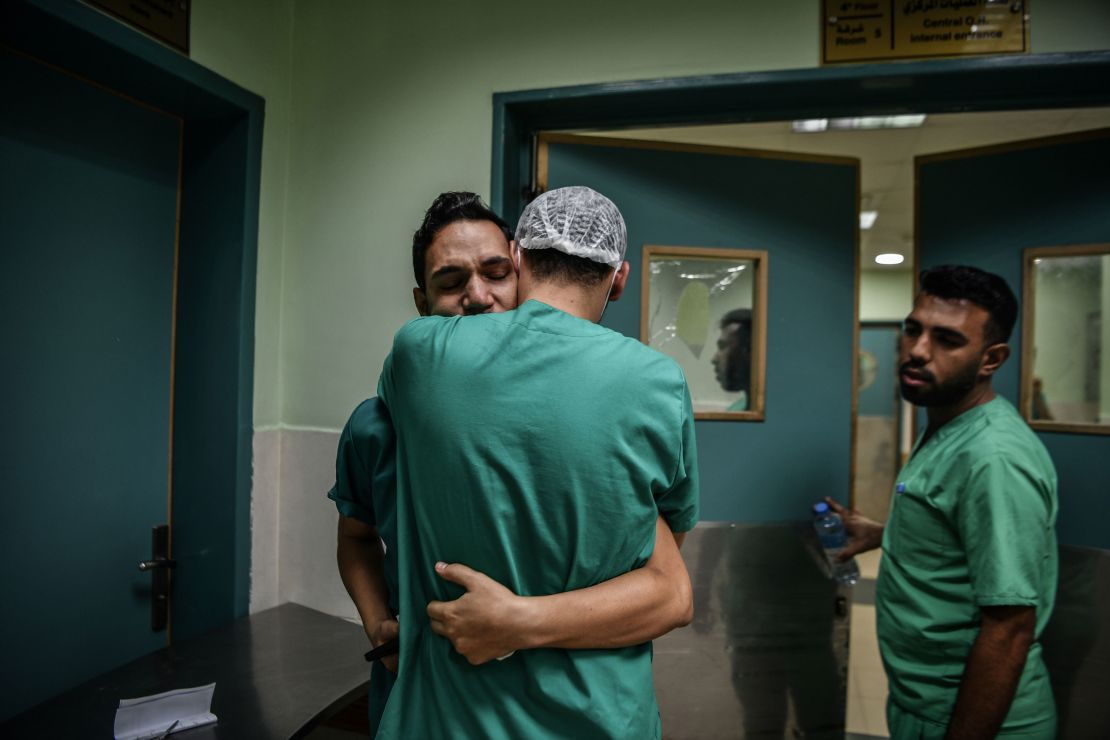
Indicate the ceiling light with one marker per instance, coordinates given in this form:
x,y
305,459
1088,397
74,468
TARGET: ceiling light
x,y
867,219
890,258
862,123
810,126
874,122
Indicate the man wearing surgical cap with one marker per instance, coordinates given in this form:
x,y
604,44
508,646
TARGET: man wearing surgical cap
x,y
538,448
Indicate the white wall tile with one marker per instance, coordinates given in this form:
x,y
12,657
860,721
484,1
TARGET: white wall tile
x,y
265,488
306,527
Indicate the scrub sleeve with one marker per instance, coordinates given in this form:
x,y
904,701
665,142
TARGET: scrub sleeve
x,y
365,490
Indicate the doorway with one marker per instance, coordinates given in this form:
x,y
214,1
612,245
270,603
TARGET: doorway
x,y
203,180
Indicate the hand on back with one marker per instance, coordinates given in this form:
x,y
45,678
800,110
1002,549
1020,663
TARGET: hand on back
x,y
485,622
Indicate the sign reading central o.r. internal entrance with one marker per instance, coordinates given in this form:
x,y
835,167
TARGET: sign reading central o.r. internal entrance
x,y
878,30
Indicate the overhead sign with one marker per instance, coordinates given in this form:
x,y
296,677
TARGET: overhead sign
x,y
879,30
165,20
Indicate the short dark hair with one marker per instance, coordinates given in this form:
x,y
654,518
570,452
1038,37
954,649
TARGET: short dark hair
x,y
737,316
985,289
445,210
551,265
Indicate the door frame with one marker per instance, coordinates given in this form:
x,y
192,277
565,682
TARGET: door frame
x,y
1063,80
214,363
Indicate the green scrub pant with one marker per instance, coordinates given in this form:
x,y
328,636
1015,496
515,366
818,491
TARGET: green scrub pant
x,y
906,726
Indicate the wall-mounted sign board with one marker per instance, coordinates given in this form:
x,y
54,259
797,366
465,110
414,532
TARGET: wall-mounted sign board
x,y
165,20
879,30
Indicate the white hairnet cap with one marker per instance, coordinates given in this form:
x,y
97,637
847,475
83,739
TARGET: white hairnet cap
x,y
577,221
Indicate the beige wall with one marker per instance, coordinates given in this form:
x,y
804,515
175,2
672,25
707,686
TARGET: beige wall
x,y
885,295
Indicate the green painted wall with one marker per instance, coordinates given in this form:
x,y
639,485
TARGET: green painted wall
x,y
374,108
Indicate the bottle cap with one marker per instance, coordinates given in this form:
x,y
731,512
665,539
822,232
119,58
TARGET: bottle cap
x,y
820,507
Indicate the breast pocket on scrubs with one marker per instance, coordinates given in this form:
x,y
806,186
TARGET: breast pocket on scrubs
x,y
919,530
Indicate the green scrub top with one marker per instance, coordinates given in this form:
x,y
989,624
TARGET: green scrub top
x,y
972,524
537,448
365,489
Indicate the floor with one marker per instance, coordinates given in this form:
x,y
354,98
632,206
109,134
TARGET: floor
x,y
866,679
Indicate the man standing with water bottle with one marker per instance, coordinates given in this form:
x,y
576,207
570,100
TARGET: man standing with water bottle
x,y
968,575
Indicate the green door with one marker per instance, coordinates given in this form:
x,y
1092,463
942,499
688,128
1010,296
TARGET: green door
x,y
88,229
984,207
803,211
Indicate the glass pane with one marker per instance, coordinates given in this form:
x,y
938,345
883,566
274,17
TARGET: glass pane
x,y
1071,378
700,313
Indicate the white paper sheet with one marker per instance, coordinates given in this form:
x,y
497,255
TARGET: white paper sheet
x,y
152,716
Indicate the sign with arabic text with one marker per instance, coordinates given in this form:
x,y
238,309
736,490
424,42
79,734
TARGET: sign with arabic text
x,y
165,20
879,30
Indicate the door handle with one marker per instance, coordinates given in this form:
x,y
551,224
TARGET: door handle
x,y
159,567
145,565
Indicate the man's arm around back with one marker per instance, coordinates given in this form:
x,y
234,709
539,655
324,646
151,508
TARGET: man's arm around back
x,y
490,621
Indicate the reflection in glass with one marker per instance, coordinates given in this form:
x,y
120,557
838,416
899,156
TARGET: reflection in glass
x,y
698,303
732,362
1071,377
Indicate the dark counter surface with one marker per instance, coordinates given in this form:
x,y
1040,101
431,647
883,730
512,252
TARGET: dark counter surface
x,y
278,673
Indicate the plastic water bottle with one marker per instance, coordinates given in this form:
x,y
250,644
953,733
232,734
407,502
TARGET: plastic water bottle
x,y
830,531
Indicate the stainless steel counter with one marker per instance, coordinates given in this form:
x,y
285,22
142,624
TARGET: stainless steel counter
x,y
767,654
277,673
1076,644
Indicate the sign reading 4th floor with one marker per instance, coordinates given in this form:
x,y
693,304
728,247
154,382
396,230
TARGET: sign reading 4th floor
x,y
877,30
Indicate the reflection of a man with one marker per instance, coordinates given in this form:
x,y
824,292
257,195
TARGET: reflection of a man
x,y
733,360
778,612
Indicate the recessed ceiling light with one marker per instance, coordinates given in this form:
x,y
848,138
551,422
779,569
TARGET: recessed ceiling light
x,y
810,126
890,258
862,123
874,122
867,219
